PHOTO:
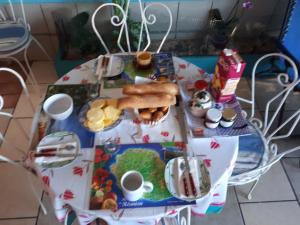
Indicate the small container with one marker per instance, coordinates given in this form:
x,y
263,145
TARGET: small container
x,y
228,117
58,106
143,58
201,85
213,117
200,103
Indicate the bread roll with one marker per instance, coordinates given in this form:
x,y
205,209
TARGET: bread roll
x,y
151,88
146,101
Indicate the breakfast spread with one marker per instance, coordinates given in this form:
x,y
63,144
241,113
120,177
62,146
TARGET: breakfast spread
x,y
101,114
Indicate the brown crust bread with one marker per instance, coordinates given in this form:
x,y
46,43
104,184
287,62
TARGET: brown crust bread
x,y
151,88
146,101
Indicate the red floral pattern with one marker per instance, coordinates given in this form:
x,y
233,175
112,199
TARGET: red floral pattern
x,y
68,194
46,180
77,170
165,133
180,77
66,78
182,66
207,162
146,138
214,144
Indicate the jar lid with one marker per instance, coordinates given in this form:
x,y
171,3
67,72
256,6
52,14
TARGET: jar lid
x,y
214,115
201,85
229,114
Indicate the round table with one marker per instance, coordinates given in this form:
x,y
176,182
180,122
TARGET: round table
x,y
219,154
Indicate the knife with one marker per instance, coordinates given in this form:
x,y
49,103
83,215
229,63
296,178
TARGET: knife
x,y
36,155
189,174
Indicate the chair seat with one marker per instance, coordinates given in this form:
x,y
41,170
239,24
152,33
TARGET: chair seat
x,y
251,153
12,36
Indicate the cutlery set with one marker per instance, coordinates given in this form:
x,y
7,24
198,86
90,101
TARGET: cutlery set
x,y
56,150
187,177
102,67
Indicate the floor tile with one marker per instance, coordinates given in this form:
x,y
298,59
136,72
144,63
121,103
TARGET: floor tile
x,y
44,72
14,133
22,107
275,213
10,100
18,222
4,121
289,143
231,213
292,168
275,180
17,198
50,218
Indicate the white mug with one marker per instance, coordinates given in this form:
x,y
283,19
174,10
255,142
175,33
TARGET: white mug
x,y
134,186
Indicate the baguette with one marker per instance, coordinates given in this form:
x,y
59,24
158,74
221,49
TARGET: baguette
x,y
151,88
146,101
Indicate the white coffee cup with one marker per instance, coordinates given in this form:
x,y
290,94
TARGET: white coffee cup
x,y
134,186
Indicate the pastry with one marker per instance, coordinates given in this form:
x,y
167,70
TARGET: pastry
x,y
146,115
151,88
146,101
157,115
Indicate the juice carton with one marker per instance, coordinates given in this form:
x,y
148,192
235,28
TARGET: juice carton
x,y
228,72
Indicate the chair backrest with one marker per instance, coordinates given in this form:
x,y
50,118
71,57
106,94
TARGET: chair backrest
x,y
278,100
122,23
10,11
9,115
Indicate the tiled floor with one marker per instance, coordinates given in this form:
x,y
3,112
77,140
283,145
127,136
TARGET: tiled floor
x,y
275,200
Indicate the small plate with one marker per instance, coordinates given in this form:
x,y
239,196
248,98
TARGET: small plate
x,y
174,176
86,107
58,139
115,66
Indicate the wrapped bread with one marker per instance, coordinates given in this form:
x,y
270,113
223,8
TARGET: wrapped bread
x,y
151,88
146,101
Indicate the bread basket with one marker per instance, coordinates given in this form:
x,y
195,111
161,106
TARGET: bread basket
x,y
151,122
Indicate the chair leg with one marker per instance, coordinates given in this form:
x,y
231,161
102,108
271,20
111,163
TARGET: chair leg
x,y
36,86
41,47
249,196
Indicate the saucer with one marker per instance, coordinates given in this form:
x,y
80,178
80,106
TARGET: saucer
x,y
174,178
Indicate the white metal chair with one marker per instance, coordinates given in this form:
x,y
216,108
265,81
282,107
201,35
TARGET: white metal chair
x,y
20,163
263,128
15,37
122,23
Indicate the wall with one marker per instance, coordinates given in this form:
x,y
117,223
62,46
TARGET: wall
x,y
189,18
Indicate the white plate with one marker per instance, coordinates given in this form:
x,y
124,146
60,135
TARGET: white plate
x,y
115,66
58,139
174,176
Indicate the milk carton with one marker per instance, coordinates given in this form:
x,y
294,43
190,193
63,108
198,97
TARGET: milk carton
x,y
228,71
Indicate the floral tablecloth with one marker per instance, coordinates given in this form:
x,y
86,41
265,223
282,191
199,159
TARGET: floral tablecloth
x,y
70,185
